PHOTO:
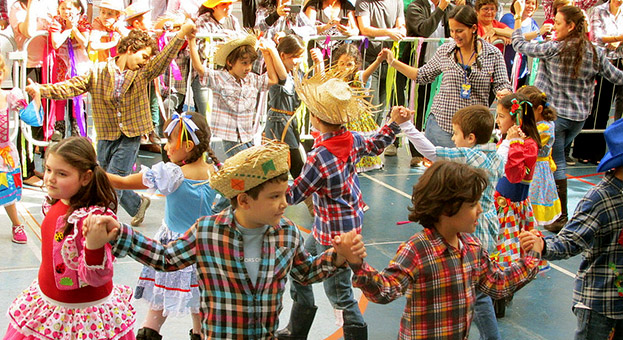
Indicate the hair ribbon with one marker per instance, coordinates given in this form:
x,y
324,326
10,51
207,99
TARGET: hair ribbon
x,y
188,127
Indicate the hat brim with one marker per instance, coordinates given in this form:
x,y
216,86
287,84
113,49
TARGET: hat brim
x,y
128,17
220,56
610,161
118,9
207,4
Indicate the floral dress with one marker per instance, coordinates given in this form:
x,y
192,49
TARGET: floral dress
x,y
10,174
543,193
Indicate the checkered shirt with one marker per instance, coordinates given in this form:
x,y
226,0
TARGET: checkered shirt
x,y
482,156
131,114
491,75
234,104
231,307
572,98
595,231
338,204
440,283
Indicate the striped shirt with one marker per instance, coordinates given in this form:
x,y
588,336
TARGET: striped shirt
x,y
595,231
440,283
231,306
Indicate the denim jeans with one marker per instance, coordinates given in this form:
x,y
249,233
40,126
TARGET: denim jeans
x,y
566,130
338,289
484,317
200,95
436,135
117,157
595,326
232,148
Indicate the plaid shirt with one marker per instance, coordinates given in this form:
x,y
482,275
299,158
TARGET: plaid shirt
x,y
584,5
490,75
338,205
234,104
576,100
131,114
231,307
604,24
595,231
440,283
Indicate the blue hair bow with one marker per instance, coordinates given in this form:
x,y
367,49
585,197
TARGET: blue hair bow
x,y
188,127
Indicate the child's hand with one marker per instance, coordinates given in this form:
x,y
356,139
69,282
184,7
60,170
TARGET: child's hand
x,y
34,91
266,44
99,230
400,114
515,132
531,240
316,55
188,28
502,93
387,55
350,246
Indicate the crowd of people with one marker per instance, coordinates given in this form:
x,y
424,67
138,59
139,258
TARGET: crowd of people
x,y
225,249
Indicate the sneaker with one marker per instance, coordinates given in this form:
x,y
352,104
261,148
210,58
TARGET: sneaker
x,y
415,161
19,235
140,215
570,161
391,150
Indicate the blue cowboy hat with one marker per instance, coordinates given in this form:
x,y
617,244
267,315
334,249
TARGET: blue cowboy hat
x,y
614,140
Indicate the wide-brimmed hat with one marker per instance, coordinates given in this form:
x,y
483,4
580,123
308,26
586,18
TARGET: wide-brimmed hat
x,y
330,98
115,5
214,3
220,56
135,10
251,167
614,140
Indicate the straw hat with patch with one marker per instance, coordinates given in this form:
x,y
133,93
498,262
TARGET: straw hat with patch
x,y
135,10
220,56
251,167
331,99
614,140
115,5
214,3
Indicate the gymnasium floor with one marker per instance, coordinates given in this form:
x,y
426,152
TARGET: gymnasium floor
x,y
541,310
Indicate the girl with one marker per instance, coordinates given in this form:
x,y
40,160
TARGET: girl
x,y
183,181
69,35
73,296
543,195
10,101
520,145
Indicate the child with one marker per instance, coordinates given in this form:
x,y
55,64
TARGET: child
x,y
73,296
107,30
10,102
243,255
69,34
543,194
235,89
595,231
472,127
135,16
440,268
330,177
184,182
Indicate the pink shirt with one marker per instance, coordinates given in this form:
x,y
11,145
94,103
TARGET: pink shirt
x,y
36,49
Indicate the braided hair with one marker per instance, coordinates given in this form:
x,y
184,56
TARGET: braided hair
x,y
576,44
466,15
203,134
538,97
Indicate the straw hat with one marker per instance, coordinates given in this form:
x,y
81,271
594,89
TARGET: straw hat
x,y
332,99
251,167
135,10
115,5
220,56
614,139
214,3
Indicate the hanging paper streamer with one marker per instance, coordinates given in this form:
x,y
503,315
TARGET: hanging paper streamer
x,y
326,50
363,47
534,70
175,69
434,88
77,101
515,70
390,80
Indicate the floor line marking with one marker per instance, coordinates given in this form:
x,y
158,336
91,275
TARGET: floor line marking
x,y
562,270
386,185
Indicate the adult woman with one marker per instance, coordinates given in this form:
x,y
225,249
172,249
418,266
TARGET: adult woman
x,y
569,66
470,69
329,15
488,28
607,24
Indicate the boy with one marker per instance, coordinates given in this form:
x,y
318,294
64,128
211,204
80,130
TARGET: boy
x,y
243,254
595,231
330,175
471,131
440,268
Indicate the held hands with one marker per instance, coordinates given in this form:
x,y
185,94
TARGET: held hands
x,y
188,29
515,132
400,114
531,240
34,91
99,230
350,246
387,55
546,28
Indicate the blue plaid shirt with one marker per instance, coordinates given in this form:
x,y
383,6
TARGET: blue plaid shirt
x,y
338,204
595,231
572,98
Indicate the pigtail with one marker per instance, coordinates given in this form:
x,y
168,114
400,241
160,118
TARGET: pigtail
x,y
215,160
549,113
520,108
537,97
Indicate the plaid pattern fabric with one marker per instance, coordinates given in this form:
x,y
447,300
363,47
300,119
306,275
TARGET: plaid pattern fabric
x,y
514,217
440,283
482,156
581,4
491,75
131,114
231,307
338,204
605,24
595,231
234,104
575,102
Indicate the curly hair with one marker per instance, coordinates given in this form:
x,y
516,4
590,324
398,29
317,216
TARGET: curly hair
x,y
203,134
538,97
136,41
575,46
352,51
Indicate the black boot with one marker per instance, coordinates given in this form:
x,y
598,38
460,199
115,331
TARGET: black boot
x,y
354,332
556,226
147,334
301,319
194,336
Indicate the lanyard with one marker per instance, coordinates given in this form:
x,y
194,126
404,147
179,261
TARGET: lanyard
x,y
464,65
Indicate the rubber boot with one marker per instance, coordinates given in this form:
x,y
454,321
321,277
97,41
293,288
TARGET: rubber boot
x,y
354,332
301,319
147,334
556,226
194,336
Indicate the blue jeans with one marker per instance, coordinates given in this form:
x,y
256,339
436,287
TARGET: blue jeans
x,y
338,289
595,326
117,157
232,148
484,317
436,135
566,130
200,96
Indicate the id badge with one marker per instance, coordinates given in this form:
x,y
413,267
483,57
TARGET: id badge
x,y
466,91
